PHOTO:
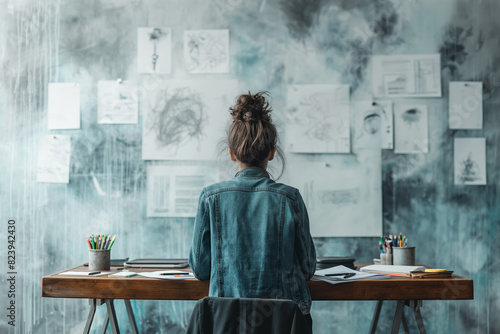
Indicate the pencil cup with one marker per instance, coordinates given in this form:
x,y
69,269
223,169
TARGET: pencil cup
x,y
99,259
404,256
383,258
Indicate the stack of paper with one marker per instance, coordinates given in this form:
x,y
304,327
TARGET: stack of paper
x,y
168,274
392,269
323,275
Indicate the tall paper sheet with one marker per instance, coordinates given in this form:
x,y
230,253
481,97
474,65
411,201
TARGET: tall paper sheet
x,y
470,161
406,75
117,103
374,126
154,50
64,106
411,133
185,120
53,159
466,105
173,191
206,51
318,118
343,193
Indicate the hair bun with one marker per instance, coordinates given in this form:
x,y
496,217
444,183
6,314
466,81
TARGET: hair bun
x,y
251,108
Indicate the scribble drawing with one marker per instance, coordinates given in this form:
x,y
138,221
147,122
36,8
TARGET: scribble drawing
x,y
412,117
154,37
469,170
177,118
206,51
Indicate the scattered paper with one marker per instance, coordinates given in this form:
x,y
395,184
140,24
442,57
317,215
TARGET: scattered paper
x,y
174,191
374,125
124,273
117,103
318,119
171,274
206,51
466,105
54,155
411,133
322,275
406,75
83,273
64,106
154,50
470,161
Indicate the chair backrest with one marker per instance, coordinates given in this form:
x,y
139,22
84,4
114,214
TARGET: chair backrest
x,y
221,315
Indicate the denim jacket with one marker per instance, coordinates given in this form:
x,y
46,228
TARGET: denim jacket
x,y
252,239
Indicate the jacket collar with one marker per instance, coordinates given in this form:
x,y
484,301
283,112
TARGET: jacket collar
x,y
252,172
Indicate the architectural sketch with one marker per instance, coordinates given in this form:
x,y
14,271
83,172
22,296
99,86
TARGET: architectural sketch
x,y
374,125
116,103
318,119
206,51
406,75
154,50
411,133
174,191
466,105
470,161
54,155
186,119
64,106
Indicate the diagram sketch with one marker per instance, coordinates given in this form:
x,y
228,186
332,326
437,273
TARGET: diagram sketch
x,y
154,50
406,75
411,133
318,119
64,106
174,191
374,125
206,51
343,193
466,105
54,155
186,119
116,103
470,161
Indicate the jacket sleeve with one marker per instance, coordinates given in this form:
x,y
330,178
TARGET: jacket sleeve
x,y
304,245
199,254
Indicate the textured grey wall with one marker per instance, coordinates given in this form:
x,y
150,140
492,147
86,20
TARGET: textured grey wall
x,y
272,43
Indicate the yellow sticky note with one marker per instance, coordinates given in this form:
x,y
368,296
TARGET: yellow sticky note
x,y
435,270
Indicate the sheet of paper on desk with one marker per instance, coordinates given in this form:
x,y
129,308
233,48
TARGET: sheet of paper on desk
x,y
172,274
83,273
320,275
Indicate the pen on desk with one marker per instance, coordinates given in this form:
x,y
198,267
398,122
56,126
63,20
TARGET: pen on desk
x,y
346,275
173,274
131,275
94,273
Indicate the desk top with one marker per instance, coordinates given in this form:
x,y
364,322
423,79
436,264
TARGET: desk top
x,y
138,287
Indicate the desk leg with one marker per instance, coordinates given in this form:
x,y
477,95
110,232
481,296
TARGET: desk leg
x,y
90,318
131,317
376,314
105,324
405,324
420,321
112,316
397,317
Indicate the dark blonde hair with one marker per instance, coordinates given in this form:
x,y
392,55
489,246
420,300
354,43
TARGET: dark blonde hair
x,y
252,135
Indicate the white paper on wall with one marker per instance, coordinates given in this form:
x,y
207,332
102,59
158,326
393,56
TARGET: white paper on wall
x,y
64,106
174,191
185,120
374,126
117,102
411,133
406,75
318,119
154,50
470,161
206,51
342,193
54,155
466,105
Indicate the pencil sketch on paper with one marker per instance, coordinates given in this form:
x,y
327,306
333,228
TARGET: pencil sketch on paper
x,y
466,105
411,135
318,118
116,103
374,125
154,50
53,159
343,193
185,120
470,161
206,51
173,191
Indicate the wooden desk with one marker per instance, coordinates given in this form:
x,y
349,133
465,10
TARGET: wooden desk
x,y
103,290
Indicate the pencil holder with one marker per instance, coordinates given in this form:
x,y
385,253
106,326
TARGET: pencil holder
x,y
404,256
99,259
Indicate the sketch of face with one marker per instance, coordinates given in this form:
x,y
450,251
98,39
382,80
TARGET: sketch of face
x,y
372,123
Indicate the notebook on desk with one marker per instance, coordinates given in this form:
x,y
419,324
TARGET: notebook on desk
x,y
157,263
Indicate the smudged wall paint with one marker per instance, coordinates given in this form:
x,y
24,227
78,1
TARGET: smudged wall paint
x,y
273,43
